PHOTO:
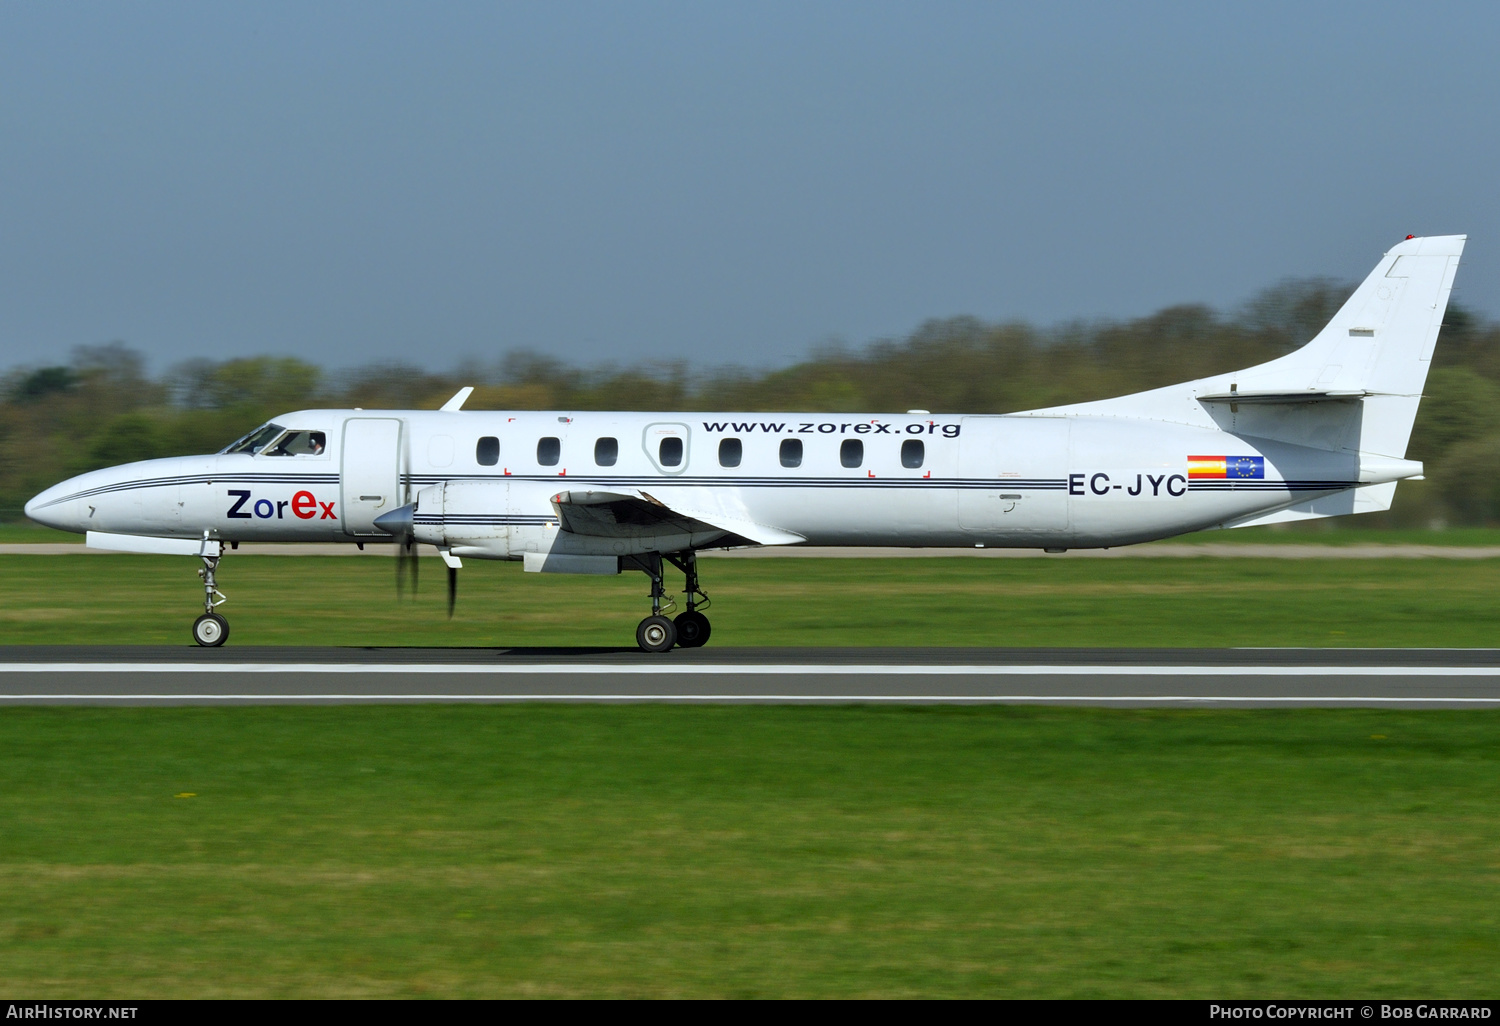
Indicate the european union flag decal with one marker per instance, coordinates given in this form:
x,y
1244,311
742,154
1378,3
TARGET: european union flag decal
x,y
1245,467
1231,467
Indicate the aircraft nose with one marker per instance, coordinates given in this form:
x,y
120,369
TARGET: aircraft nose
x,y
53,508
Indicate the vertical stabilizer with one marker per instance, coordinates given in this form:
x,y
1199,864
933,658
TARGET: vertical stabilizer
x,y
1379,345
1354,387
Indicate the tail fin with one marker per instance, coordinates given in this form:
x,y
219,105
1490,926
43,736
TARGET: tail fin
x,y
1377,347
1354,387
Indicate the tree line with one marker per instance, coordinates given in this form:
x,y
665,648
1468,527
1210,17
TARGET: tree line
x,y
102,408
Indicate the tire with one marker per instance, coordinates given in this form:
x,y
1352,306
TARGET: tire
x,y
210,630
692,629
656,634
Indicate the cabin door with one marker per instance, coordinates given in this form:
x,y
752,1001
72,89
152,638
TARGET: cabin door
x,y
370,477
1014,474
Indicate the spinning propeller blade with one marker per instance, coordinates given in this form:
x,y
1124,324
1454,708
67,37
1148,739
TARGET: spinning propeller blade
x,y
406,564
398,524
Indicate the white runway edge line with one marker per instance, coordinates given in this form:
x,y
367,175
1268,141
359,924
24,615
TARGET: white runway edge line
x,y
732,699
772,669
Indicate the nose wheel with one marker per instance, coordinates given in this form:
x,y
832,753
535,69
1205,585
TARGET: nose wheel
x,y
211,630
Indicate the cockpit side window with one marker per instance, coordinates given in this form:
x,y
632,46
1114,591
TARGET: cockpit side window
x,y
256,440
298,443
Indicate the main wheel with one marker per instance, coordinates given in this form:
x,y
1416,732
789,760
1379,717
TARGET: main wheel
x,y
656,634
692,629
210,630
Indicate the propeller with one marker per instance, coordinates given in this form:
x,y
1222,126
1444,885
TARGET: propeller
x,y
398,524
406,565
454,564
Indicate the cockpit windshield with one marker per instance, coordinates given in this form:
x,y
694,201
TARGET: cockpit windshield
x,y
256,440
298,443
275,440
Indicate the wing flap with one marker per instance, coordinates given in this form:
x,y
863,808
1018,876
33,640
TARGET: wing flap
x,y
617,515
636,514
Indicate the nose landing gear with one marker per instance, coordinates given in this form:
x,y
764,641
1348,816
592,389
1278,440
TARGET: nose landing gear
x,y
211,630
658,633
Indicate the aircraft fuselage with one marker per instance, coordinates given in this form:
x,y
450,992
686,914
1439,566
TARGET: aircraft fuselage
x,y
866,479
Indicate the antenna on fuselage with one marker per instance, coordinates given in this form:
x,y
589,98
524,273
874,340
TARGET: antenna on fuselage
x,y
458,400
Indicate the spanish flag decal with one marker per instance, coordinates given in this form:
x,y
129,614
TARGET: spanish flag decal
x,y
1201,468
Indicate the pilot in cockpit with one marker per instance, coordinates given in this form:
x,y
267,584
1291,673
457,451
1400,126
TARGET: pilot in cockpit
x,y
300,443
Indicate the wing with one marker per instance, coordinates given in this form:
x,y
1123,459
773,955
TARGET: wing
x,y
637,514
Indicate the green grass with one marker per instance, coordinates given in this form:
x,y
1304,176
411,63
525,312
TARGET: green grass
x,y
1022,602
27,533
736,851
1339,532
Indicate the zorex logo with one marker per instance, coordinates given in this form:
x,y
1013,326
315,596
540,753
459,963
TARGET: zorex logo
x,y
304,505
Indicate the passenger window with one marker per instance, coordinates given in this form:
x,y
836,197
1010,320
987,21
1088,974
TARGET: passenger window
x,y
299,443
548,452
791,452
912,453
606,452
487,452
731,451
852,452
670,452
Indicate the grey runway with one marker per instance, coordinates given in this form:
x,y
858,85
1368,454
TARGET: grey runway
x,y
1434,678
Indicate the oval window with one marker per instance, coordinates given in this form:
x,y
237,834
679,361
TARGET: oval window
x,y
606,451
852,452
731,451
912,453
487,452
548,452
670,452
791,452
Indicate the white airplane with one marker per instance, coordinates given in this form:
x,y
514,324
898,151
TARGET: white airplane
x,y
1317,433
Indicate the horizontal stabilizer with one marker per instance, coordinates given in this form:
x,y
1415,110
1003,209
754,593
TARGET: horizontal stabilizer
x,y
1281,397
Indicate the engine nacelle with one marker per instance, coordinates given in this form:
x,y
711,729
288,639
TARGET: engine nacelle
x,y
510,520
470,517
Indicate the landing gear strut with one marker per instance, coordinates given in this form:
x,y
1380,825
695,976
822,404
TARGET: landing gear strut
x,y
692,626
658,633
211,630
655,633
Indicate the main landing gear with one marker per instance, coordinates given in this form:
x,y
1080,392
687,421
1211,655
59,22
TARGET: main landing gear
x,y
211,630
658,633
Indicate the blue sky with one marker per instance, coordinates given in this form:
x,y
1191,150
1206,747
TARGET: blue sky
x,y
709,181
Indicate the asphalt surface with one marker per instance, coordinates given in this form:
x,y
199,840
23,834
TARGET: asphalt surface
x,y
161,675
